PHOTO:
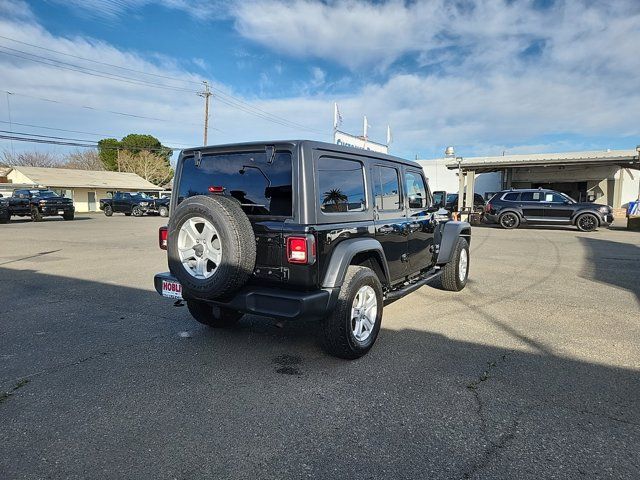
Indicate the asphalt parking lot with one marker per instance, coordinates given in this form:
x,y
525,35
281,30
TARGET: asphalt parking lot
x,y
533,371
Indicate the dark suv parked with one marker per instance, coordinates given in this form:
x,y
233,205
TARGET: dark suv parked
x,y
510,208
305,230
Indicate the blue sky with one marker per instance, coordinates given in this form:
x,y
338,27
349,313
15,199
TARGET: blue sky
x,y
484,75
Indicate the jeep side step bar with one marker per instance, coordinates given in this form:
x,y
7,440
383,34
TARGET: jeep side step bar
x,y
394,295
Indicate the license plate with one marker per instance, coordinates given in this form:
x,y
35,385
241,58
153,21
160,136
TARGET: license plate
x,y
60,212
171,289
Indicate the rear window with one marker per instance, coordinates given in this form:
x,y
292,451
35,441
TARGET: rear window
x,y
512,197
340,185
262,188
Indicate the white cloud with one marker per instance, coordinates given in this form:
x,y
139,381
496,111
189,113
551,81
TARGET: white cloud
x,y
478,93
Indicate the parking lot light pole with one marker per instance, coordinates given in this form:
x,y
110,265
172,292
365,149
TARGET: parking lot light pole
x,y
638,152
460,184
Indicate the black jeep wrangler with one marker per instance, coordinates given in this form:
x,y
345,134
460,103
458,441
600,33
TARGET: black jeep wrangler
x,y
305,230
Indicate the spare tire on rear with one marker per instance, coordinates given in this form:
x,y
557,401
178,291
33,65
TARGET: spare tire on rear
x,y
211,246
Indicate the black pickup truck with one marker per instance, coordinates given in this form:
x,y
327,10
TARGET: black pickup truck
x,y
37,204
134,203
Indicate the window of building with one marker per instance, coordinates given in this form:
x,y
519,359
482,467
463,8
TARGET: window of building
x,y
386,188
340,185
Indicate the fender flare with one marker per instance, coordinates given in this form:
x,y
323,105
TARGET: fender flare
x,y
583,211
344,253
451,231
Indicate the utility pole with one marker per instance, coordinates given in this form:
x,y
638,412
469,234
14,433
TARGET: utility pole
x,y
206,94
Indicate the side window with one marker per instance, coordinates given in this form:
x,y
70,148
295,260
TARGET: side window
x,y
340,185
512,197
386,188
532,196
416,190
554,197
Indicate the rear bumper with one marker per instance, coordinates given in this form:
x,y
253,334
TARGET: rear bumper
x,y
271,301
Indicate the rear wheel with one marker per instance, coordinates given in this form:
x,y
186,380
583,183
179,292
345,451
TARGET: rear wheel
x,y
163,211
456,272
509,220
212,315
5,219
136,211
36,215
587,222
352,328
108,211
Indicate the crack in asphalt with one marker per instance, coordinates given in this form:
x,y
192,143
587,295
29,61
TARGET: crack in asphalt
x,y
4,396
493,445
39,254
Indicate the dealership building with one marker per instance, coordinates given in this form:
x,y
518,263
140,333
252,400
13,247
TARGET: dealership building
x,y
610,177
84,187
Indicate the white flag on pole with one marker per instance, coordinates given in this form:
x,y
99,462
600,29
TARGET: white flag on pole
x,y
337,118
366,127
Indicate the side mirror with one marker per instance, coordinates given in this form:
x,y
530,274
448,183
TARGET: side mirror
x,y
1,195
439,198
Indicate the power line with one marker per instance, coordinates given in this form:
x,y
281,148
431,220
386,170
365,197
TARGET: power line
x,y
230,100
125,114
101,135
167,77
85,143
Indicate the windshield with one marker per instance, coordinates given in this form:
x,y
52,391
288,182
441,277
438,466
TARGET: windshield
x,y
142,195
570,200
261,187
452,197
43,193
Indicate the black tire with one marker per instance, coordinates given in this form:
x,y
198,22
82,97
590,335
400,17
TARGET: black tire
x,y
509,220
136,211
450,276
5,219
212,315
337,327
68,216
235,235
587,222
128,214
108,211
36,215
163,211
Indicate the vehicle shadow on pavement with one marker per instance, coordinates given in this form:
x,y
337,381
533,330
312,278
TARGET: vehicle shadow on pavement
x,y
104,378
613,263
44,220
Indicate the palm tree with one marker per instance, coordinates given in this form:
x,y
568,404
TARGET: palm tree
x,y
334,196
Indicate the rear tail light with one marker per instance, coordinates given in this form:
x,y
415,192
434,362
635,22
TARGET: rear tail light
x,y
487,208
301,250
216,189
163,235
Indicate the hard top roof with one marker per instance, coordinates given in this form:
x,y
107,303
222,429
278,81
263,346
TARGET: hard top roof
x,y
326,146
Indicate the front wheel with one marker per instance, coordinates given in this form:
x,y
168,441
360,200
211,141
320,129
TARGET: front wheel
x,y
587,222
136,211
212,315
108,211
352,328
68,216
455,273
163,211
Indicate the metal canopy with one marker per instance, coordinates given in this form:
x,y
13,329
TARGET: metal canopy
x,y
621,158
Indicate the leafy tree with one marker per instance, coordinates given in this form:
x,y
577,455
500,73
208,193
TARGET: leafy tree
x,y
134,143
335,197
108,152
